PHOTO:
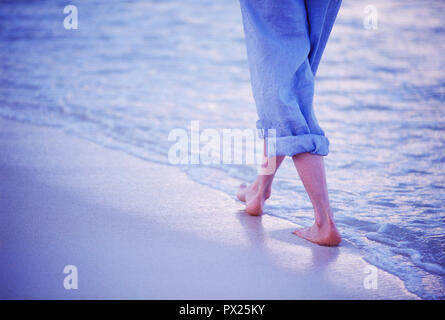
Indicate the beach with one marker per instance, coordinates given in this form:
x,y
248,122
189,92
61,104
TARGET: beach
x,y
136,80
140,230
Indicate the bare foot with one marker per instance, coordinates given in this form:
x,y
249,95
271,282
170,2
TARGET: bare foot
x,y
254,197
325,235
241,194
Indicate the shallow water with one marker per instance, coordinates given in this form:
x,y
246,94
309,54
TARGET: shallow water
x,y
135,70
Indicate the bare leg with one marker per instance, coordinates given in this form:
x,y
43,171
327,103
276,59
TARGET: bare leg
x,y
311,169
260,190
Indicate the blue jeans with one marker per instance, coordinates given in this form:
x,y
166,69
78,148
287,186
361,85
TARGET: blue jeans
x,y
285,40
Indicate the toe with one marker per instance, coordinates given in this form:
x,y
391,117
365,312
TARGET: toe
x,y
299,233
241,194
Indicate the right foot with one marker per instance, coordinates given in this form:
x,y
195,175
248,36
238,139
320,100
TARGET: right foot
x,y
254,197
326,235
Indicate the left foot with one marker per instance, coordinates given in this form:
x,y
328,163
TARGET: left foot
x,y
325,235
254,196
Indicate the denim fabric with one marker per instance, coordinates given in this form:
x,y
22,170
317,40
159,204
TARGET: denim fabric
x,y
285,40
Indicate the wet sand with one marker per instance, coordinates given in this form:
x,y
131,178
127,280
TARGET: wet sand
x,y
140,230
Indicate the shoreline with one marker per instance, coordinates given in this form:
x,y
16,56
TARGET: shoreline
x,y
141,230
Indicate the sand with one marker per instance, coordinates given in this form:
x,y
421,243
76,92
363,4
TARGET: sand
x,y
140,230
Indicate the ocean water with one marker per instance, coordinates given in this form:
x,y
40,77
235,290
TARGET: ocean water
x,y
135,70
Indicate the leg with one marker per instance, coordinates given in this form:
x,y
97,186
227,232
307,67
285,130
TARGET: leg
x,y
311,169
260,190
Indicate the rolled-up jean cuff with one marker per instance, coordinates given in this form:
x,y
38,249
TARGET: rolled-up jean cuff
x,y
292,145
280,143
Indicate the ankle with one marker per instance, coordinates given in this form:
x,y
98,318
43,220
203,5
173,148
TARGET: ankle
x,y
325,220
264,181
